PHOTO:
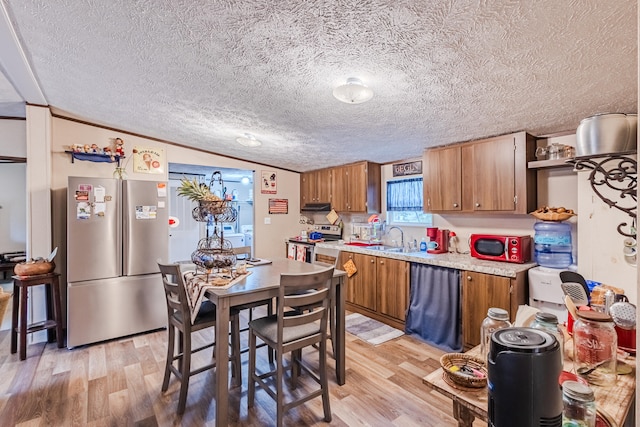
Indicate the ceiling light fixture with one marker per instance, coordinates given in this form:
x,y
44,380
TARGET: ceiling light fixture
x,y
248,140
245,180
353,92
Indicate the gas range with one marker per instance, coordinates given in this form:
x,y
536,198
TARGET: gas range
x,y
330,233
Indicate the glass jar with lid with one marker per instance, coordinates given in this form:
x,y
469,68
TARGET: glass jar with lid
x,y
579,405
549,322
595,348
497,318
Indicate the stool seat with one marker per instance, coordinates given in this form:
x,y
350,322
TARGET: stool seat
x,y
19,326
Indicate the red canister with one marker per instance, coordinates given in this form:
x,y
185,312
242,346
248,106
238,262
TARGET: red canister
x,y
626,339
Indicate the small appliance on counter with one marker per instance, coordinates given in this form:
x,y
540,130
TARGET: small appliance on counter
x,y
545,292
524,365
494,247
438,240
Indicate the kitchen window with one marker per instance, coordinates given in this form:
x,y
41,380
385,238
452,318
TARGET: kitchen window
x,y
404,202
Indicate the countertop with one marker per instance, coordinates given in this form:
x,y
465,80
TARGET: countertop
x,y
449,260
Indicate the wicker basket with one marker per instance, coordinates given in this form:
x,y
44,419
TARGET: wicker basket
x,y
464,370
31,268
552,216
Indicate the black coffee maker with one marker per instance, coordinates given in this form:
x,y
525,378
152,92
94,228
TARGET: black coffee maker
x,y
524,365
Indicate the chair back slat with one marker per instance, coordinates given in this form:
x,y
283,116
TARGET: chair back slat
x,y
305,299
305,317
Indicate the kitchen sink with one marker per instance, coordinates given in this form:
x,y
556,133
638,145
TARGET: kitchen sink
x,y
386,248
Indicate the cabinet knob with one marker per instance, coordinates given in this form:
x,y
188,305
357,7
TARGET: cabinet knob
x,y
477,205
455,205
372,261
469,278
381,261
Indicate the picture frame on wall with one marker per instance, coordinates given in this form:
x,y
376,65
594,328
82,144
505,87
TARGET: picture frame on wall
x,y
268,182
278,206
148,160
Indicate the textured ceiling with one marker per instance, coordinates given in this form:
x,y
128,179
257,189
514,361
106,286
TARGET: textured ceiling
x,y
203,73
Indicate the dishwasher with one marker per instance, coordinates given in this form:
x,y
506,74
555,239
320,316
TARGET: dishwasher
x,y
434,306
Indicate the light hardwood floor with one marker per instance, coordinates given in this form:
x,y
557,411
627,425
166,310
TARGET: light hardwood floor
x,y
117,383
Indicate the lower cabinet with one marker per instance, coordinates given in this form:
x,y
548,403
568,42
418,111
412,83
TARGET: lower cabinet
x,y
480,292
379,289
393,287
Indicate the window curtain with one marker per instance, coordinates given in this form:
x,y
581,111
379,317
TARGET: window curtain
x,y
404,195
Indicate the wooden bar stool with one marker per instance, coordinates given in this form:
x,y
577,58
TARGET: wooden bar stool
x,y
21,286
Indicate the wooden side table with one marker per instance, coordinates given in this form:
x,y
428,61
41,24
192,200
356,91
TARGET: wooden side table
x,y
21,286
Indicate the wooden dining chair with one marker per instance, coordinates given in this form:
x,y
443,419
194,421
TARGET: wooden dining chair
x,y
179,321
329,257
289,331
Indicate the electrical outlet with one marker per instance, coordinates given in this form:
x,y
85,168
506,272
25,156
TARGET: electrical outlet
x,y
267,220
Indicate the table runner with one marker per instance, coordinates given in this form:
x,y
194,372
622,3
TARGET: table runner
x,y
196,286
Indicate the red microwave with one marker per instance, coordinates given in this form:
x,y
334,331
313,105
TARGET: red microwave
x,y
501,248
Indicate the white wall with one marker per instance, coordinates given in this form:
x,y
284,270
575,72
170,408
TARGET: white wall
x,y
268,238
13,197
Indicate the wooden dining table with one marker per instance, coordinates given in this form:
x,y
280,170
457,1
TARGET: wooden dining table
x,y
263,283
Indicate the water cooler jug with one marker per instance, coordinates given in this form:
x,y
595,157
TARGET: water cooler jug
x,y
552,244
524,365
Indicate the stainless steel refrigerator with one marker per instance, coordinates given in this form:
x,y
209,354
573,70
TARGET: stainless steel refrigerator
x,y
116,231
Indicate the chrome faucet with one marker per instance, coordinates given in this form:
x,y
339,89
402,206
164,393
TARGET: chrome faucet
x,y
401,234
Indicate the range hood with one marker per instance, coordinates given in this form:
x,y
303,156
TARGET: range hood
x,y
316,207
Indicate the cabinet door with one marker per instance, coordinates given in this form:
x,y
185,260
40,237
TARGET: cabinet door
x,y
323,185
393,287
494,186
361,287
357,187
442,180
307,187
340,189
479,293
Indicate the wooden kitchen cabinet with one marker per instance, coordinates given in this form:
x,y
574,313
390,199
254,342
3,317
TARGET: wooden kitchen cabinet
x,y
393,287
356,188
361,287
379,289
315,186
480,292
489,175
442,181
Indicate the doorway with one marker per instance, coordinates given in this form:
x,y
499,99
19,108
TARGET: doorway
x,y
13,225
184,237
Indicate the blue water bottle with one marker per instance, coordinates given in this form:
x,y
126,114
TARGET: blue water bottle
x,y
423,245
552,241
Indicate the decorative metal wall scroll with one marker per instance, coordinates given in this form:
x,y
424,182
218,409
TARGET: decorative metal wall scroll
x,y
620,177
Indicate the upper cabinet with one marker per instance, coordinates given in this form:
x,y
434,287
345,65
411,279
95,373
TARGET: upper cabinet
x,y
489,175
442,182
315,187
356,188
